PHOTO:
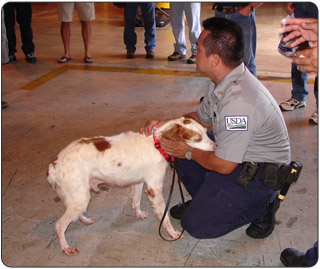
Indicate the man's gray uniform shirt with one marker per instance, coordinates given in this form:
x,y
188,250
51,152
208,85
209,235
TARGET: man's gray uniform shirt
x,y
247,122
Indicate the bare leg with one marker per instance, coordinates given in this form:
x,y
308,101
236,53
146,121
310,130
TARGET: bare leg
x,y
65,35
86,35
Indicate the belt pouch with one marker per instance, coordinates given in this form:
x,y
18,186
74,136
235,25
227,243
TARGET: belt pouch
x,y
248,171
269,174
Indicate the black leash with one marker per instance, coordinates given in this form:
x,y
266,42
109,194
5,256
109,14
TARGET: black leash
x,y
173,165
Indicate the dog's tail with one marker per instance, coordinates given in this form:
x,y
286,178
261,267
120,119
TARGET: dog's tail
x,y
51,175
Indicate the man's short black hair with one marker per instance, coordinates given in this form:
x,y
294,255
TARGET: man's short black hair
x,y
225,39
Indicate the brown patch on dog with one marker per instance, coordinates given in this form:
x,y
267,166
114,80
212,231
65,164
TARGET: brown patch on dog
x,y
174,133
187,121
100,143
151,192
119,164
178,132
54,162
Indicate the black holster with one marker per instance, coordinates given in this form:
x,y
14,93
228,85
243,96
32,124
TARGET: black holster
x,y
271,174
279,175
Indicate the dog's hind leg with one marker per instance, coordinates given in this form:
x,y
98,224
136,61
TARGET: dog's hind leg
x,y
73,211
136,199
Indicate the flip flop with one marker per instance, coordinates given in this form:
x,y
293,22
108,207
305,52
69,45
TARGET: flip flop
x,y
64,59
88,60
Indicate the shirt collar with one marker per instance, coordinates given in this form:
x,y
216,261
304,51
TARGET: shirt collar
x,y
233,75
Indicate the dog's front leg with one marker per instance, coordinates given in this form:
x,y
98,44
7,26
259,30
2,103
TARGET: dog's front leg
x,y
156,198
136,199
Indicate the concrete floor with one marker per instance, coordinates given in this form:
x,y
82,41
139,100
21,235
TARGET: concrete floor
x,y
52,105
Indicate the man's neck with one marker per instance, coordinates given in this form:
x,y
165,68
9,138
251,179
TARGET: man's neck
x,y
216,77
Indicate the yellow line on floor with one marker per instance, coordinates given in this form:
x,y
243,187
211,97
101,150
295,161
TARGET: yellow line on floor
x,y
43,79
134,70
51,75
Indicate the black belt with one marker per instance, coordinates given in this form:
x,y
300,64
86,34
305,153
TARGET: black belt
x,y
226,10
271,174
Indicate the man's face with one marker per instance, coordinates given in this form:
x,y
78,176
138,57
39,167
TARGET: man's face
x,y
202,63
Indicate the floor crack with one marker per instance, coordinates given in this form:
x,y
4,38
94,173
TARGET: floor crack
x,y
196,244
15,172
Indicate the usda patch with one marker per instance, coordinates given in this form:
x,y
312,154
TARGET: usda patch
x,y
236,123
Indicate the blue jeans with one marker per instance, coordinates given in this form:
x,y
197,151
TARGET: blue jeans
x,y
248,26
299,83
299,79
148,15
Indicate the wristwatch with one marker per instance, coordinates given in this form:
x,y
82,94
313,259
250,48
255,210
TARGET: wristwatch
x,y
189,154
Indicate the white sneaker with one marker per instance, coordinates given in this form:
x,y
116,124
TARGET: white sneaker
x,y
292,104
314,117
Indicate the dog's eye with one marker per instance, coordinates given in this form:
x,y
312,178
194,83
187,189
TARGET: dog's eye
x,y
198,138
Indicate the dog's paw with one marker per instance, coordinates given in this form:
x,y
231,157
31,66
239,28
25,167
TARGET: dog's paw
x,y
175,234
87,220
70,251
141,214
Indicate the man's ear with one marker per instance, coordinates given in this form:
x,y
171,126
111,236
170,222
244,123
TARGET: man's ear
x,y
214,60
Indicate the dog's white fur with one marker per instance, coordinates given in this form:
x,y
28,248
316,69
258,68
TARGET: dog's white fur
x,y
121,160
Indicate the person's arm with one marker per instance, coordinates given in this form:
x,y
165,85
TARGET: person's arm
x,y
289,8
210,161
207,159
246,11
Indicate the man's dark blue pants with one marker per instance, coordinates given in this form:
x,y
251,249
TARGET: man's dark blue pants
x,y
219,205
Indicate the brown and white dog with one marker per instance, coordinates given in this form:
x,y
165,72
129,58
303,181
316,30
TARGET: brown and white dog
x,y
121,160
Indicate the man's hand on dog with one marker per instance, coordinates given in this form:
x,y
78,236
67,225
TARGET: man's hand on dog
x,y
176,149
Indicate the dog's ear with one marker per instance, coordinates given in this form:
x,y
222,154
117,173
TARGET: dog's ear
x,y
173,133
178,132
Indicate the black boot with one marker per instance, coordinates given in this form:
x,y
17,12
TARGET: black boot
x,y
178,210
292,258
263,227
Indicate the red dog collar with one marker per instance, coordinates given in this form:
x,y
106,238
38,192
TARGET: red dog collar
x,y
170,159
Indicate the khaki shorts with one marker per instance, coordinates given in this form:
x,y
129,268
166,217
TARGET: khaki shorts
x,y
85,11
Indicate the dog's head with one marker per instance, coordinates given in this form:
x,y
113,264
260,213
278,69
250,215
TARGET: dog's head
x,y
188,130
